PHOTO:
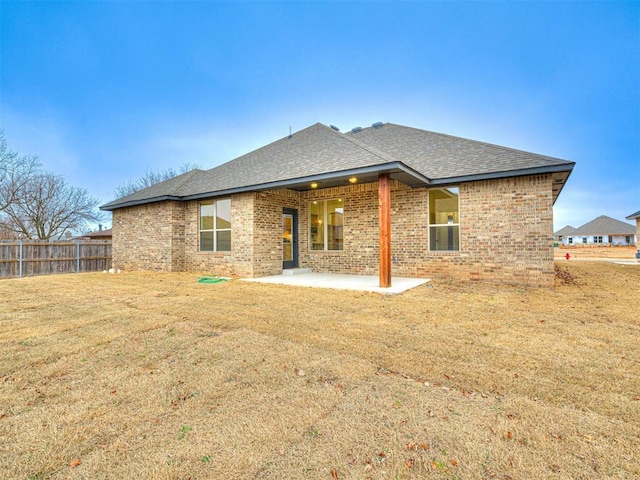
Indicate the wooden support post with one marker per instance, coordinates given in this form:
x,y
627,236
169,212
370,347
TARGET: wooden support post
x,y
384,219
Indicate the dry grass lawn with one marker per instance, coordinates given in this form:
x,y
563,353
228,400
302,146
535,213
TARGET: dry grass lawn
x,y
156,376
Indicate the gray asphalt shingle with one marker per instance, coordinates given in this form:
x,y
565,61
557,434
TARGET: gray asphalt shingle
x,y
319,150
440,156
565,231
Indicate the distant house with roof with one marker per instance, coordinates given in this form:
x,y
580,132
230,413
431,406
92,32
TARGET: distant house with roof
x,y
100,234
602,230
563,232
371,201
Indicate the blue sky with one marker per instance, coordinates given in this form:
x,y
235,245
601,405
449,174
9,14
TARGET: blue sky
x,y
103,91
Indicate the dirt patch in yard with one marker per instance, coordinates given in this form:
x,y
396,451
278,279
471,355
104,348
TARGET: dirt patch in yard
x,y
583,252
143,375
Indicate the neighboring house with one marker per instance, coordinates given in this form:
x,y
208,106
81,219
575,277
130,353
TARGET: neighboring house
x,y
602,231
563,232
374,200
636,217
97,235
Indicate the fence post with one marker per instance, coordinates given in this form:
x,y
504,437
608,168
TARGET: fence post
x,y
20,259
77,256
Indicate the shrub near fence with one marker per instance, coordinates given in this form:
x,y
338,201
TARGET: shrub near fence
x,y
27,258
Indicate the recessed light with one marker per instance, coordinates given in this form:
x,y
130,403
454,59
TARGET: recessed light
x,y
314,185
353,180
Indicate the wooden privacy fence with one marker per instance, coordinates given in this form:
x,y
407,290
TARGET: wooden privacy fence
x,y
27,258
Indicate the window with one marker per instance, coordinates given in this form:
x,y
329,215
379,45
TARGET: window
x,y
584,239
597,239
215,226
570,240
444,219
326,224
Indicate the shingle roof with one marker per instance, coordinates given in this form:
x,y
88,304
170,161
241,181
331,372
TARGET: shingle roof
x,y
604,225
93,235
316,150
100,233
439,156
416,157
172,188
568,230
633,216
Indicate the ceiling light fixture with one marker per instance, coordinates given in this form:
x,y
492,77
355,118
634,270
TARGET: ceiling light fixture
x,y
353,180
314,185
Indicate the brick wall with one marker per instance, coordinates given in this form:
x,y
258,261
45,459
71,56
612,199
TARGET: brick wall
x,y
505,234
239,261
267,239
507,230
149,237
360,230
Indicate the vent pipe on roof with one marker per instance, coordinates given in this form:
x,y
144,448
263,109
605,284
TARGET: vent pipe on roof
x,y
356,129
335,128
377,125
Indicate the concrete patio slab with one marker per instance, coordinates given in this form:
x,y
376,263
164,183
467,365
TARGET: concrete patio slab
x,y
365,283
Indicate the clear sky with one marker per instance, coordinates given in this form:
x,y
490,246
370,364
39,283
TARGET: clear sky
x,y
103,91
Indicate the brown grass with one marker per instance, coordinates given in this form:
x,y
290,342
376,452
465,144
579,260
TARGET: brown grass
x,y
143,375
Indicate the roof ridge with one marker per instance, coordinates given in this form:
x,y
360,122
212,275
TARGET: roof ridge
x,y
361,144
268,145
187,176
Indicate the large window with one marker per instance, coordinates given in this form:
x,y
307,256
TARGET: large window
x,y
325,224
215,226
444,219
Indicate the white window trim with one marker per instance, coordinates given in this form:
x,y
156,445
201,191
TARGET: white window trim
x,y
429,224
214,229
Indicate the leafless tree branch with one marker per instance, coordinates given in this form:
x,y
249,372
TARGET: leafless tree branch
x,y
47,207
151,178
15,171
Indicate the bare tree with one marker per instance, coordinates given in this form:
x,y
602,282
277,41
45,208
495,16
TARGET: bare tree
x,y
47,207
151,178
15,172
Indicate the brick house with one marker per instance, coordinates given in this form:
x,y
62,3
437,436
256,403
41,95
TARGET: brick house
x,y
370,201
